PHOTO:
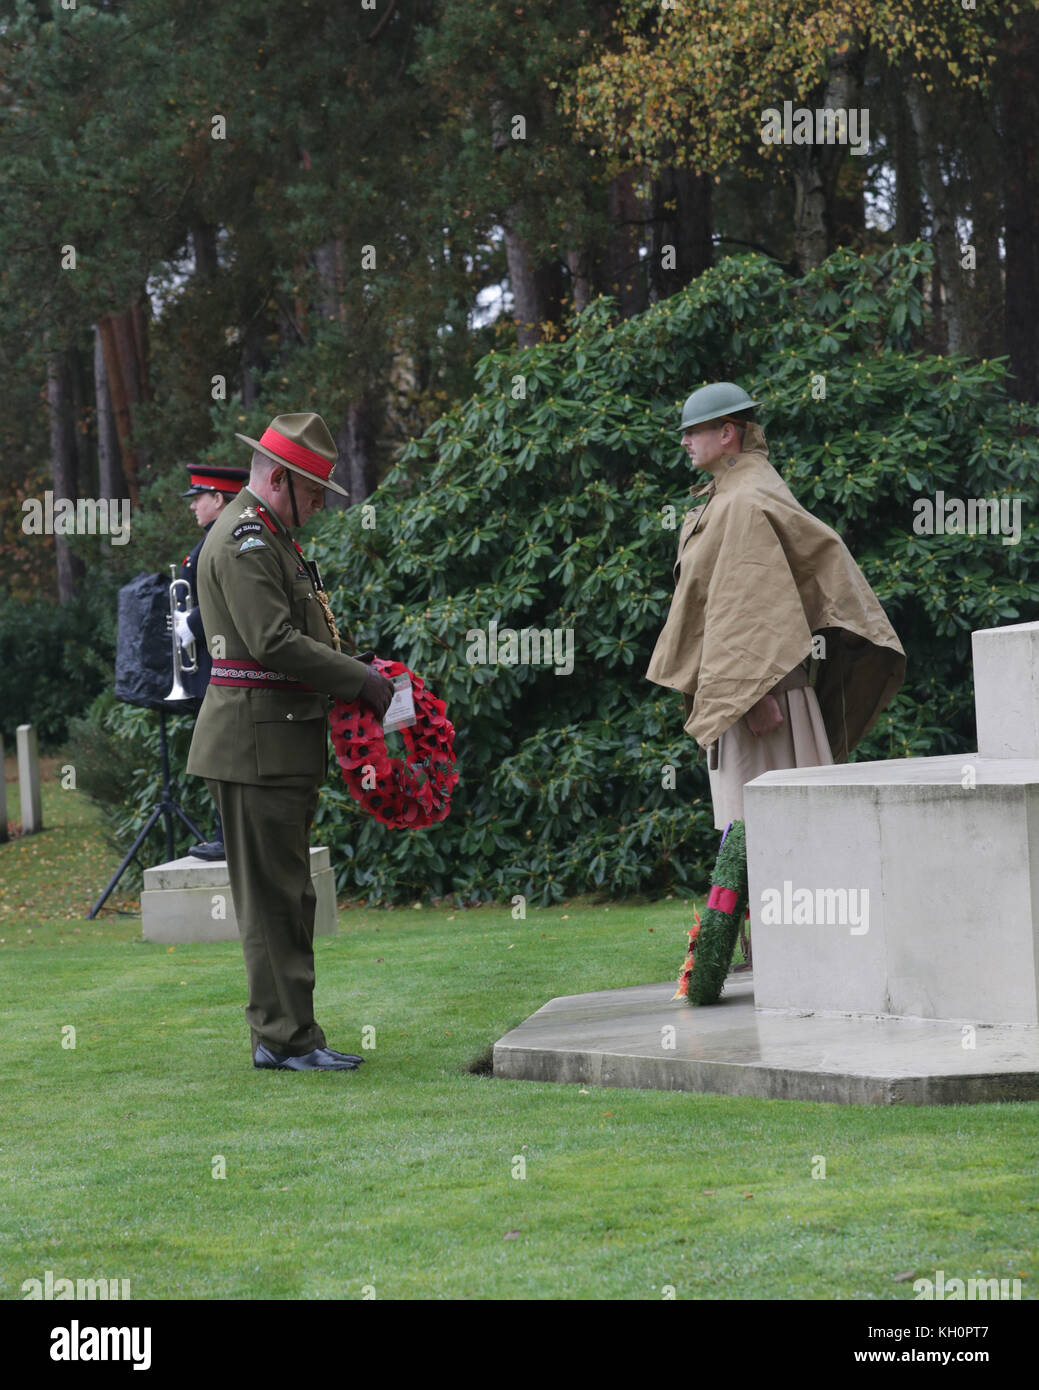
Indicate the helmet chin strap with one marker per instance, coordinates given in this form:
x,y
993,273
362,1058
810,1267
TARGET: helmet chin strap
x,y
292,497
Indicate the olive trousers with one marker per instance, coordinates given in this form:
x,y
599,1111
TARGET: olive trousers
x,y
267,841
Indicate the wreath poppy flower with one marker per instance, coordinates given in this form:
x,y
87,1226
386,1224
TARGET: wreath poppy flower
x,y
408,793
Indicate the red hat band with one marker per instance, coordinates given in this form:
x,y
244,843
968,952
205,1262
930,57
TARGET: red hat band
x,y
215,482
295,453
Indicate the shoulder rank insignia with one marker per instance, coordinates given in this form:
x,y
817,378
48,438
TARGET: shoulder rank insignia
x,y
247,512
264,516
244,528
251,543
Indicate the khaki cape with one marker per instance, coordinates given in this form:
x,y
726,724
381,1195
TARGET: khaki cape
x,y
756,576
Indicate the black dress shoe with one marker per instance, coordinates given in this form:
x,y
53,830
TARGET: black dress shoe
x,y
349,1056
321,1059
209,849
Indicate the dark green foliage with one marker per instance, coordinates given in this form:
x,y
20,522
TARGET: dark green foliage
x,y
53,661
551,509
547,510
716,940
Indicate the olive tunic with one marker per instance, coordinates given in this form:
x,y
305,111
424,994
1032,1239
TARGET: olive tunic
x,y
261,743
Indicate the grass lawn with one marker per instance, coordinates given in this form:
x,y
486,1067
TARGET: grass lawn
x,y
400,1176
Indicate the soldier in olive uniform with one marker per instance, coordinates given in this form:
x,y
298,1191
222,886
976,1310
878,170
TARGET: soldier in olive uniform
x,y
210,491
261,740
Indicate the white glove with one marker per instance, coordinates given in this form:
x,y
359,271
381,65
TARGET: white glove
x,y
182,628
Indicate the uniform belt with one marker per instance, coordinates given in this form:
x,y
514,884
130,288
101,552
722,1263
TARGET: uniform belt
x,y
250,675
794,680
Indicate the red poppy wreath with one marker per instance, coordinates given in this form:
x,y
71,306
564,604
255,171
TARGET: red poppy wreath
x,y
407,793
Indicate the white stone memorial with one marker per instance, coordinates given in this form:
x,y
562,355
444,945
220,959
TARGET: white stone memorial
x,y
29,779
909,888
895,929
190,900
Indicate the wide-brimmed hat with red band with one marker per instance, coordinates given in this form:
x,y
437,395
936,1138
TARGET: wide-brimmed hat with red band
x,y
300,442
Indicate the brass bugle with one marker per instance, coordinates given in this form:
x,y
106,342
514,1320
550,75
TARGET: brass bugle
x,y
180,602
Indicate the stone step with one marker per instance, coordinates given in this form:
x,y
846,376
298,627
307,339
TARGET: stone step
x,y
641,1037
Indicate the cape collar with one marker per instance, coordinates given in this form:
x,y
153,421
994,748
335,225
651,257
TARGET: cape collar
x,y
755,450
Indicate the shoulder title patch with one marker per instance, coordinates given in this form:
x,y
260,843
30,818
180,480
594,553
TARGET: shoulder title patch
x,y
244,527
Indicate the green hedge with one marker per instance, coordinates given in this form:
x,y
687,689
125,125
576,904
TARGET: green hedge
x,y
546,508
54,660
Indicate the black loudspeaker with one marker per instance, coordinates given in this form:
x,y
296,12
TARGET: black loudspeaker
x,y
144,647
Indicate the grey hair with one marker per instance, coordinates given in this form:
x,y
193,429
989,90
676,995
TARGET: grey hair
x,y
261,467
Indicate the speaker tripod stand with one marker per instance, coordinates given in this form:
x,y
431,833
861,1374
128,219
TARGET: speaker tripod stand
x,y
167,808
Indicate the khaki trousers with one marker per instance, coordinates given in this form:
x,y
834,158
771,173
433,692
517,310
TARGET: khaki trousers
x,y
800,741
267,839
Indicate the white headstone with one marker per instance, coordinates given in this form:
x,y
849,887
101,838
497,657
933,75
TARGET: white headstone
x,y
29,779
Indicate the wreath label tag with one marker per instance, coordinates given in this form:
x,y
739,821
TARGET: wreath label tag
x,y
401,711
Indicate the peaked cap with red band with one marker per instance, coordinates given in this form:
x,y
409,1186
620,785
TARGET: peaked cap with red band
x,y
300,442
206,479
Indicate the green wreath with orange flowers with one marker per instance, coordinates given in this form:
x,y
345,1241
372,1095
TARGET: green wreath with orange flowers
x,y
712,939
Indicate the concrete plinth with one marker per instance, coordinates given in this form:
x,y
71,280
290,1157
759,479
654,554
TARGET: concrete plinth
x,y
895,926
190,900
640,1037
943,855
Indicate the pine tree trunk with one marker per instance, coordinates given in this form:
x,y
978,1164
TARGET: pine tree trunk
x,y
816,168
111,482
908,203
124,339
681,230
355,442
984,296
579,264
943,225
120,403
538,288
525,307
63,465
203,243
625,275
